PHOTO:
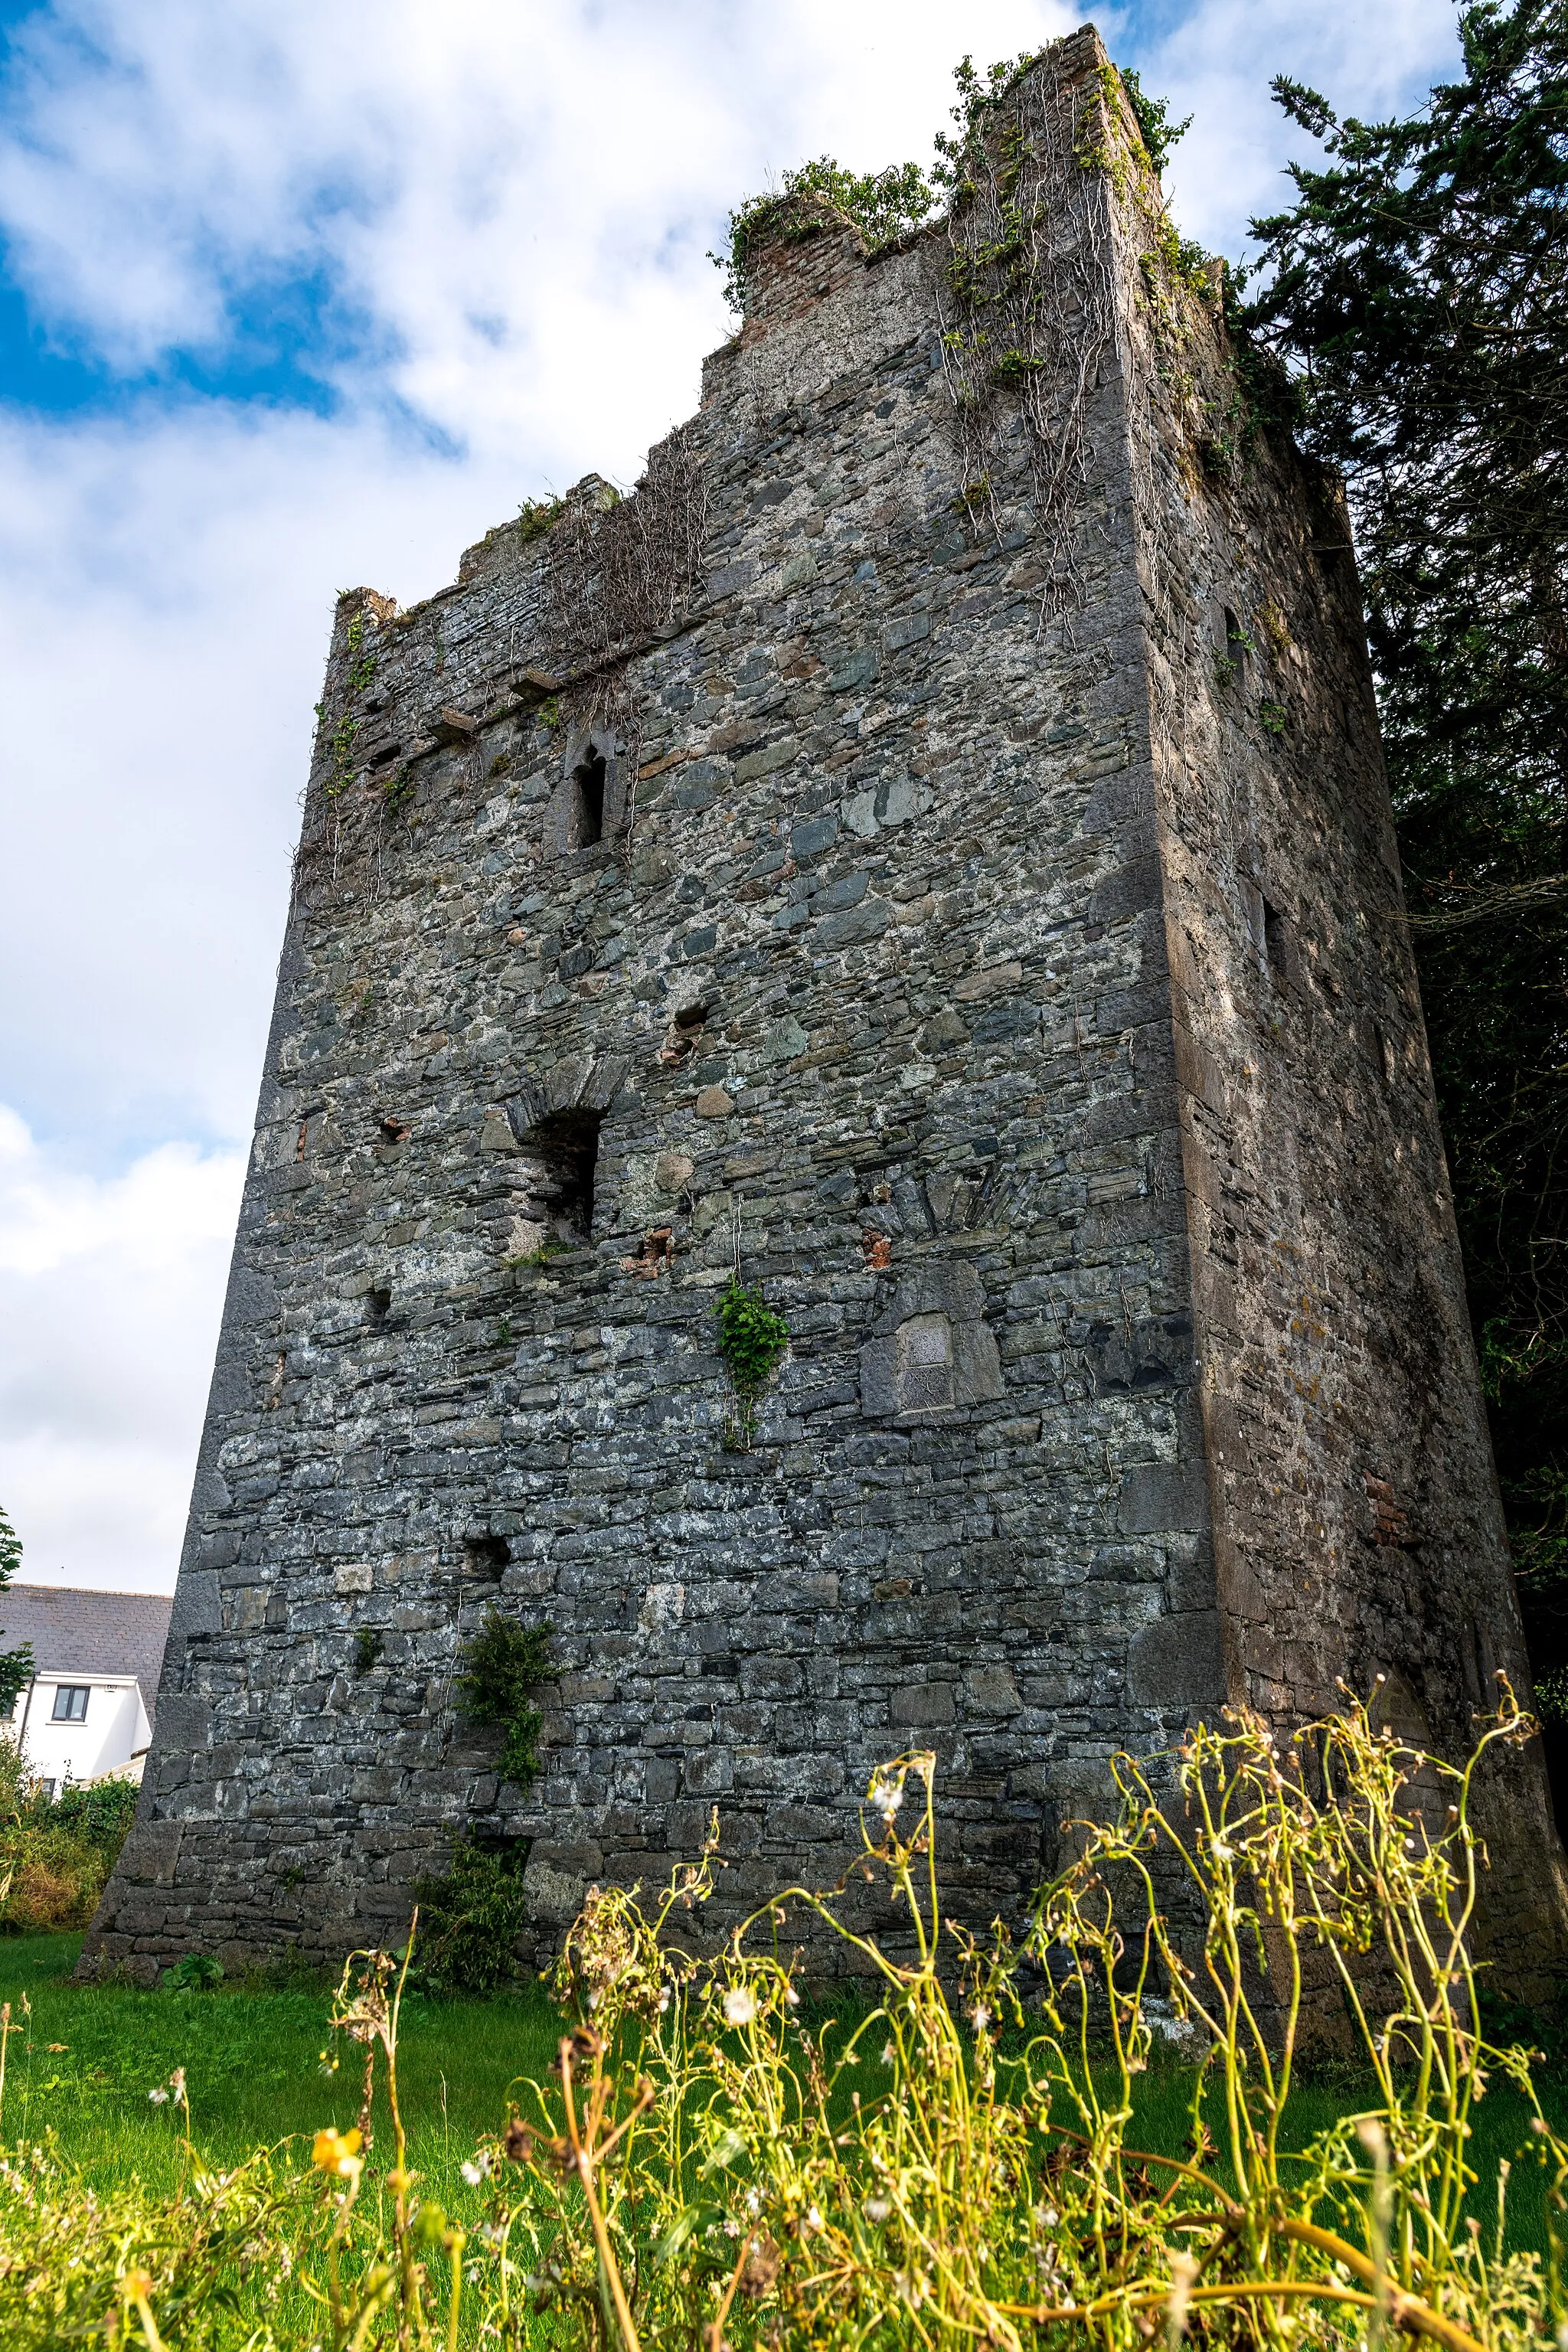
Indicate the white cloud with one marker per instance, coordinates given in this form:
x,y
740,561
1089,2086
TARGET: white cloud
x,y
110,1291
1216,65
499,210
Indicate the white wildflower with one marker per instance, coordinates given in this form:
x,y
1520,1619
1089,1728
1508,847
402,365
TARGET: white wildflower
x,y
888,2054
813,2216
477,2172
740,2007
877,2208
158,2096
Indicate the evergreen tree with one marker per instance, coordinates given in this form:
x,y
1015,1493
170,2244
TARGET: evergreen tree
x,y
16,1665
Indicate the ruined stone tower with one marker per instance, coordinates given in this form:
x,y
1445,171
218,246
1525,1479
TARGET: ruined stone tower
x,y
928,848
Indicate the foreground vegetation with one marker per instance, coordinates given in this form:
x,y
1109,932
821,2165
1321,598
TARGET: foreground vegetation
x,y
56,1852
974,2149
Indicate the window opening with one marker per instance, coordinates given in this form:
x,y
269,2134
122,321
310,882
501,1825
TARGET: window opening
x,y
488,1556
560,1156
1276,941
1253,903
71,1703
380,1305
1236,645
684,1034
588,800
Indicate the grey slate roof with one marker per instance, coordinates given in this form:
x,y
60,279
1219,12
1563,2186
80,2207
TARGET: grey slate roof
x,y
79,1632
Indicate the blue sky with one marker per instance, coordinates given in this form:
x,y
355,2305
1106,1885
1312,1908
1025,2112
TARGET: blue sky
x,y
294,295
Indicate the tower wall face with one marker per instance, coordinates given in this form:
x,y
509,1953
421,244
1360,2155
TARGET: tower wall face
x,y
913,974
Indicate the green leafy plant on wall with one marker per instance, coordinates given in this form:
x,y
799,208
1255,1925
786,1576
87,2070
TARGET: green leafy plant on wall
x,y
536,516
469,1920
362,665
498,1674
883,205
753,1342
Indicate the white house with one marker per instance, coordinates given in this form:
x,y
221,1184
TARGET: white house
x,y
88,1711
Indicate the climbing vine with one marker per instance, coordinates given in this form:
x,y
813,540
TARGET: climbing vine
x,y
622,572
1029,294
345,823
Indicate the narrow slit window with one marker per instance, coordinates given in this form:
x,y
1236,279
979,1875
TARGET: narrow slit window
x,y
1277,942
588,800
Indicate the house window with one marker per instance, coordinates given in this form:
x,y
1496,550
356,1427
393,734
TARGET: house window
x,y
71,1703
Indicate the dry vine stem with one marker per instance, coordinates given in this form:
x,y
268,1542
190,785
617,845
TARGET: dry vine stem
x,y
1030,302
621,575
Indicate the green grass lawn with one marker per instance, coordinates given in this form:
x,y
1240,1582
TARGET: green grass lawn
x,y
88,2056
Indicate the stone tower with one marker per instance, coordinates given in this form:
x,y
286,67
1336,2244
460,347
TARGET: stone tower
x,y
927,848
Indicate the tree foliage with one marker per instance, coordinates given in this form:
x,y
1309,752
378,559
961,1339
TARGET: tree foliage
x,y
470,1921
1419,294
16,1665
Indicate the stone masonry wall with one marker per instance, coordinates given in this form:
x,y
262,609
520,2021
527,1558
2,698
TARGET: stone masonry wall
x,y
868,987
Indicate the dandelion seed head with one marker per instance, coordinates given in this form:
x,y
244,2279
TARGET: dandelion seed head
x,y
740,2006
